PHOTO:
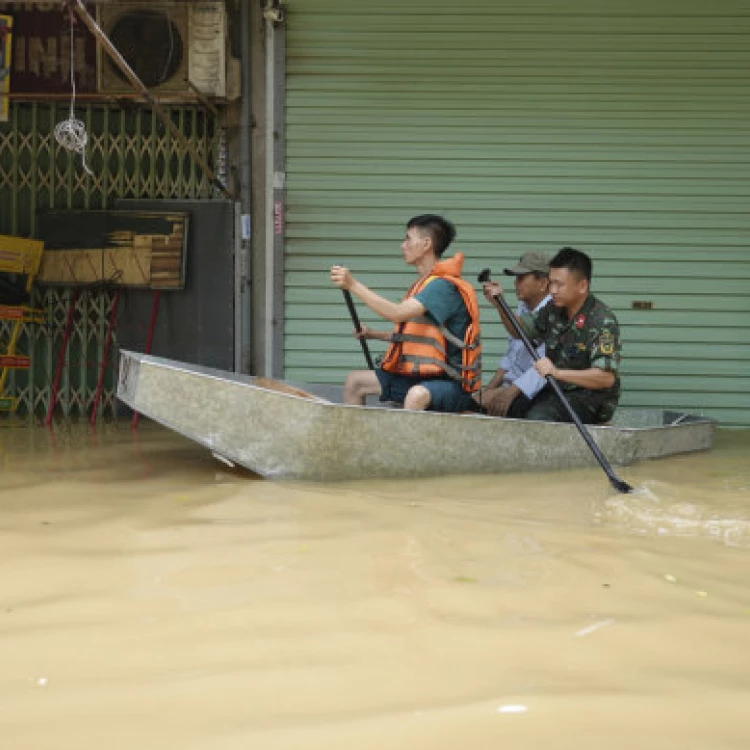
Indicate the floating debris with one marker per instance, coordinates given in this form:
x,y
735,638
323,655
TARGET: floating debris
x,y
223,459
594,627
512,708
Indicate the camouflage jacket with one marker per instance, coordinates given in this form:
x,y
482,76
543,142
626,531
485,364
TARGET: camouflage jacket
x,y
591,339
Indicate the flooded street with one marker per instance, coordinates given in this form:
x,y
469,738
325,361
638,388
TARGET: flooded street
x,y
153,599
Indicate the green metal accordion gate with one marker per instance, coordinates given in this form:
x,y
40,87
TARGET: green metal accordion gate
x,y
132,155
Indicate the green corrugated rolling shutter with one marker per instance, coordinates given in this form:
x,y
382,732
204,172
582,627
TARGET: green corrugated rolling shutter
x,y
622,129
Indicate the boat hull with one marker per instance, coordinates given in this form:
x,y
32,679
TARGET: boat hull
x,y
282,435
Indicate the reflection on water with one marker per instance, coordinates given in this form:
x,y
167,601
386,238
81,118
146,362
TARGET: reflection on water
x,y
153,599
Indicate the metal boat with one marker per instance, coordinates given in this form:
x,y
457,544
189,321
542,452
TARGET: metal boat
x,y
283,431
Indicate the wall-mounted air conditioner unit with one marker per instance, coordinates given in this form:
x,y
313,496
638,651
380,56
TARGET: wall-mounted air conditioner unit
x,y
166,44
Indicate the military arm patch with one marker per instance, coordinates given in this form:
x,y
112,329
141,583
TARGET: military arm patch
x,y
606,343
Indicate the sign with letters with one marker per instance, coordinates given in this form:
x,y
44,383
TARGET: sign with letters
x,y
41,50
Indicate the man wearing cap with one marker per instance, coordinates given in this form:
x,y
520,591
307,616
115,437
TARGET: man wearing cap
x,y
516,383
582,337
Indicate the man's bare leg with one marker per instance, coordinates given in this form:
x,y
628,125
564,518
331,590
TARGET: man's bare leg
x,y
497,401
417,398
359,385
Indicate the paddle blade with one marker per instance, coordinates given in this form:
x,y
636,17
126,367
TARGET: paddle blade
x,y
620,485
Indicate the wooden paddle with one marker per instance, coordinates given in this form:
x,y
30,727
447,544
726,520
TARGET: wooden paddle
x,y
276,385
358,327
619,484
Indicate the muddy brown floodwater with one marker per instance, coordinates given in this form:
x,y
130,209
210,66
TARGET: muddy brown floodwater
x,y
150,599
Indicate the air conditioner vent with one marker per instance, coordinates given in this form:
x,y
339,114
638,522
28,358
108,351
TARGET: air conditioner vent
x,y
151,43
165,45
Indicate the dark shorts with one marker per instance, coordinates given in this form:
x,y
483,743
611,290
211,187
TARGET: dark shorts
x,y
445,394
592,407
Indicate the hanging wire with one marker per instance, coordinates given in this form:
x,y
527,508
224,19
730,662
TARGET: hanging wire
x,y
71,133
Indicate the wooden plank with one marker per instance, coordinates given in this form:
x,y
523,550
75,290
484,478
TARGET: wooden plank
x,y
277,385
142,249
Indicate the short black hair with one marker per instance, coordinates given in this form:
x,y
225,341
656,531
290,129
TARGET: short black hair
x,y
441,230
574,261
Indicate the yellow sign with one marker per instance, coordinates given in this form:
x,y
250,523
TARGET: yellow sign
x,y
19,255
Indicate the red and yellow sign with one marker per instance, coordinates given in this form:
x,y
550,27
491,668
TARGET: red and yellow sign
x,y
15,361
21,313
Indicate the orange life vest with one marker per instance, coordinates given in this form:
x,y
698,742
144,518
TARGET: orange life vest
x,y
420,346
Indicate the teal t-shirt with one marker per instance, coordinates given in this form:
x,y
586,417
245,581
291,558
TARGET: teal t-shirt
x,y
446,306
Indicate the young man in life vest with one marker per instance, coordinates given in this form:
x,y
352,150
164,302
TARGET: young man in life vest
x,y
434,358
583,344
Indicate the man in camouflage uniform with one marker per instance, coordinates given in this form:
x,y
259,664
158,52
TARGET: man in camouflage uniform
x,y
583,344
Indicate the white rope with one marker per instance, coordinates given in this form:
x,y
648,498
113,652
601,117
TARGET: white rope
x,y
71,133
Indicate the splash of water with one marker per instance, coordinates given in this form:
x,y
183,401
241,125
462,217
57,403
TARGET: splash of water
x,y
664,509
